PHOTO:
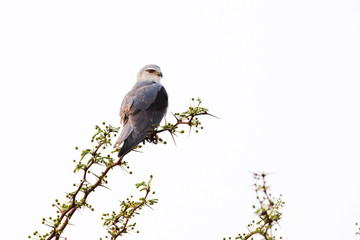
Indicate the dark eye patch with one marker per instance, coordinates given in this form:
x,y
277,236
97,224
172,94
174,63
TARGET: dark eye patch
x,y
151,70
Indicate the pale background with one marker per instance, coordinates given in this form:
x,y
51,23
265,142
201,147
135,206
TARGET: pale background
x,y
282,76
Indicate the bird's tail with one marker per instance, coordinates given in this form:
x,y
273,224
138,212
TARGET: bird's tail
x,y
123,135
131,141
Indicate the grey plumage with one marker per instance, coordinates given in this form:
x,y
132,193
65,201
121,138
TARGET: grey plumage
x,y
144,106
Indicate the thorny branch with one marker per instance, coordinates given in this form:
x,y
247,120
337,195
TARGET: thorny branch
x,y
119,223
189,118
268,211
102,156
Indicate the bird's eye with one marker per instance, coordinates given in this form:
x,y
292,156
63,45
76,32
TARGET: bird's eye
x,y
151,70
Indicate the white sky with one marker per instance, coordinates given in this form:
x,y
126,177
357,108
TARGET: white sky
x,y
283,76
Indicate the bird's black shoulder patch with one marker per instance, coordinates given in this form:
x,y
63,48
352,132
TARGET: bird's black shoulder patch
x,y
161,101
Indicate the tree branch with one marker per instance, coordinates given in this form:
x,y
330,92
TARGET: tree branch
x,y
268,211
96,156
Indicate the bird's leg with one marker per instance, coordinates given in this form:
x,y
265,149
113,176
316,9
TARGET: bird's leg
x,y
156,139
152,137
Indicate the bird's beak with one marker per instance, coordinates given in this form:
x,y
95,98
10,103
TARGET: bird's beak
x,y
160,74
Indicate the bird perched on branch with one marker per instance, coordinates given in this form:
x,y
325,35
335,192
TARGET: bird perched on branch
x,y
142,108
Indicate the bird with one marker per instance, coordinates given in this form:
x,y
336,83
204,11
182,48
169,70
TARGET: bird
x,y
142,108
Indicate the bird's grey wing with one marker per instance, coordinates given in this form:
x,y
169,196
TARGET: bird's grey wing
x,y
141,96
141,124
150,105
125,111
152,110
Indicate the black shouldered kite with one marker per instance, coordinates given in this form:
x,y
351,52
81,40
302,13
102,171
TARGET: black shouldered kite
x,y
142,108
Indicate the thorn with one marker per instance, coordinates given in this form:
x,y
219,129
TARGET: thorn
x,y
189,128
174,117
149,206
101,185
172,135
135,150
209,115
95,175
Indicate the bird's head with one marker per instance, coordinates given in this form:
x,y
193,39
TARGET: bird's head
x,y
149,72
